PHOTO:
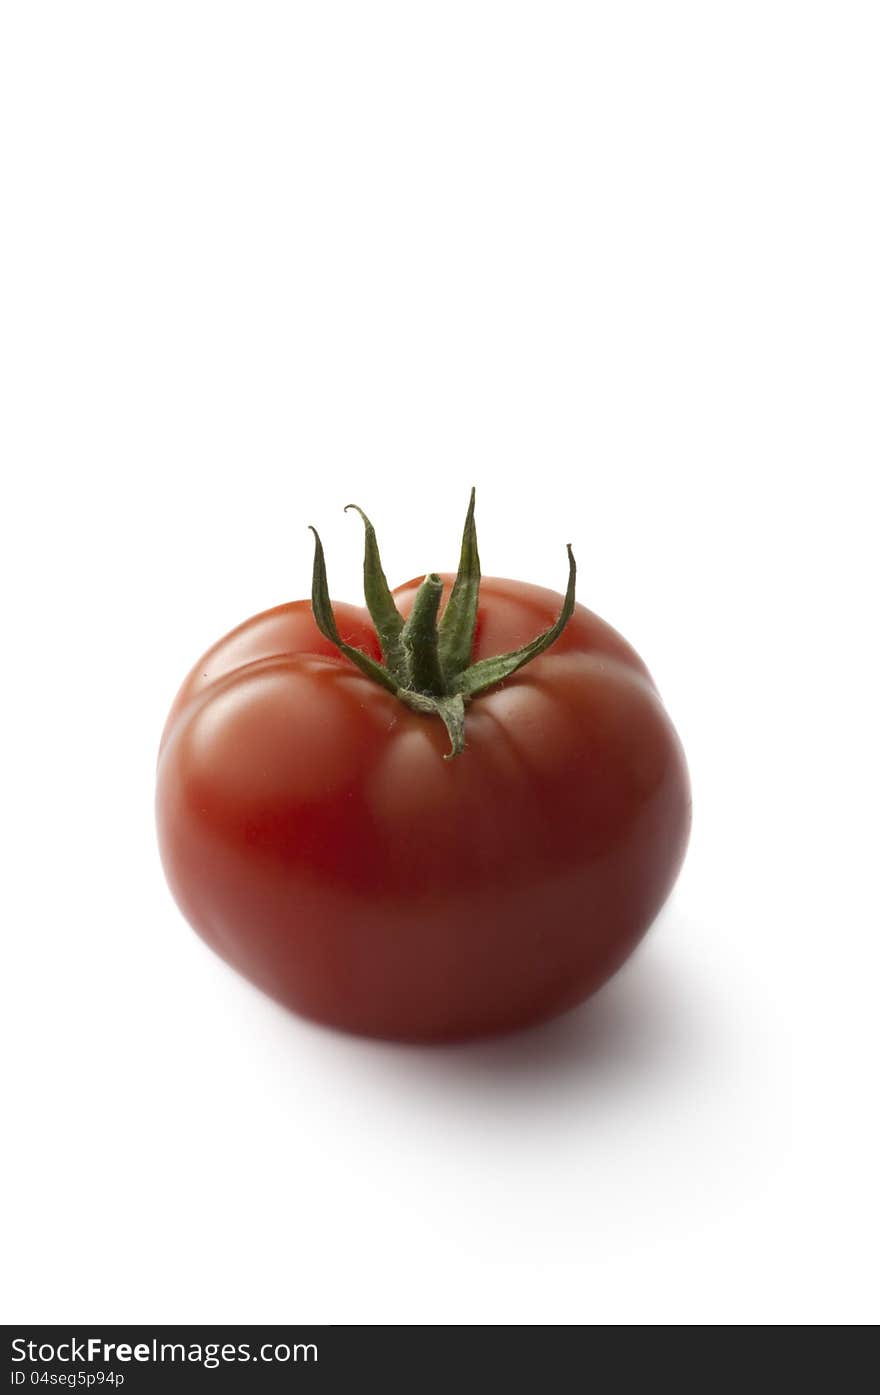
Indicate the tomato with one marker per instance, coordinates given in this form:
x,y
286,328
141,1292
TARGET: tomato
x,y
316,833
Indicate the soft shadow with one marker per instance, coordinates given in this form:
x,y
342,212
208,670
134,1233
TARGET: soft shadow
x,y
642,1023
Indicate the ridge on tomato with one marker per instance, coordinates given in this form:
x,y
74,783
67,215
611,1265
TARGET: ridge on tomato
x,y
396,875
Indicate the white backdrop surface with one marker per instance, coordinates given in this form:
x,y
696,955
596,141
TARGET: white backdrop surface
x,y
617,265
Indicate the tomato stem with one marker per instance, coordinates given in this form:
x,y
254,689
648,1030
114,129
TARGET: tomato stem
x,y
420,639
425,664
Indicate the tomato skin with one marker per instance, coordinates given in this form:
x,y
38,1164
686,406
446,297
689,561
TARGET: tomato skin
x,y
313,834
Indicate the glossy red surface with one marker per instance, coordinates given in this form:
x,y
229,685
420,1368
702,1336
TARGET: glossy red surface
x,y
313,834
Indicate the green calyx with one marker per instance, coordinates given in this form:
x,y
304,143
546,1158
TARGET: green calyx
x,y
427,657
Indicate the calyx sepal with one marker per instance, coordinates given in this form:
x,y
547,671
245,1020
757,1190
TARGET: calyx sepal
x,y
426,659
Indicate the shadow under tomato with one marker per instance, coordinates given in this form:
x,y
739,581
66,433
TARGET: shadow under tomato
x,y
641,1024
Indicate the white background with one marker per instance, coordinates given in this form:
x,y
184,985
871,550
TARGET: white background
x,y
617,264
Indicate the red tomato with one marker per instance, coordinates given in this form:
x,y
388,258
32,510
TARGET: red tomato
x,y
314,835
